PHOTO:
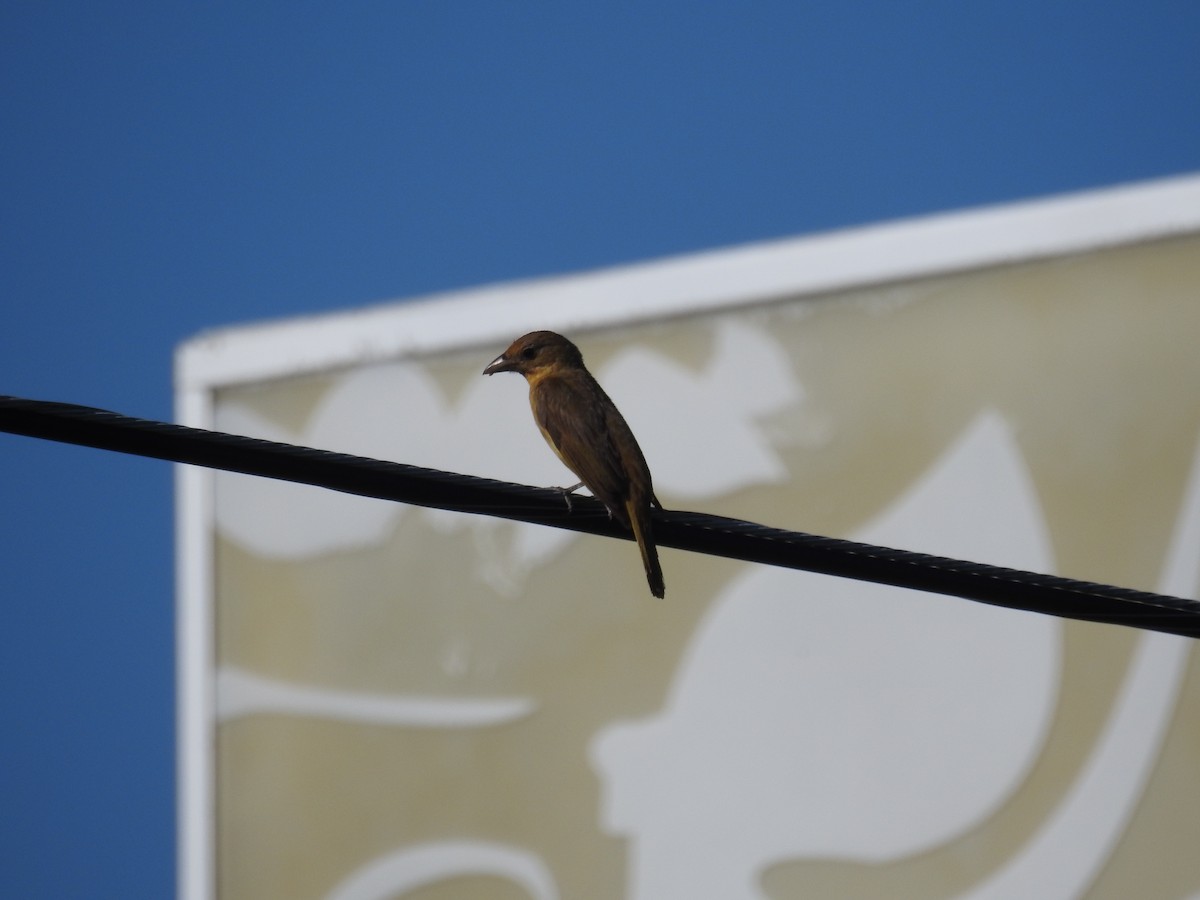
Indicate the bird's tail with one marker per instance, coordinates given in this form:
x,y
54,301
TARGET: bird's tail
x,y
643,531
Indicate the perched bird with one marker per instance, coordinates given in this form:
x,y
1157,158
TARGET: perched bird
x,y
583,427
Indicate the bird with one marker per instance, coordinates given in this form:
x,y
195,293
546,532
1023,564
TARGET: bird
x,y
588,434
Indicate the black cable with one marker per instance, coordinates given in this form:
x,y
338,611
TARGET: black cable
x,y
715,535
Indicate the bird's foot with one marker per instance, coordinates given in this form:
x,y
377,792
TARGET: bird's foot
x,y
567,492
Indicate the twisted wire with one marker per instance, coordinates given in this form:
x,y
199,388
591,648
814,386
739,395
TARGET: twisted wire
x,y
698,532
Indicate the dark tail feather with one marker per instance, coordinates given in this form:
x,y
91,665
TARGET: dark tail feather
x,y
643,531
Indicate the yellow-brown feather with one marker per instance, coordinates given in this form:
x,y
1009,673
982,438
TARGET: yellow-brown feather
x,y
639,520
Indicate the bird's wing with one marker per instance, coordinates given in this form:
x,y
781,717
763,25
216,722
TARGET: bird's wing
x,y
576,418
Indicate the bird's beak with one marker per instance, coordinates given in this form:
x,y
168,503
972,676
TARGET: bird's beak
x,y
500,364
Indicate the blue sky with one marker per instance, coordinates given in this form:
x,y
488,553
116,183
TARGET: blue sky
x,y
168,168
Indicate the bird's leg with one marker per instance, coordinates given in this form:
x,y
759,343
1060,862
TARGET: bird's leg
x,y
567,492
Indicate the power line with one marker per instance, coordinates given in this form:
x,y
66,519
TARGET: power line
x,y
698,532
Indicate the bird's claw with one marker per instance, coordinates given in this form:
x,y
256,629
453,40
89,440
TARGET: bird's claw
x,y
566,494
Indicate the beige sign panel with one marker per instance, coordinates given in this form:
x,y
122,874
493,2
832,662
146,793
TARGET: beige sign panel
x,y
380,701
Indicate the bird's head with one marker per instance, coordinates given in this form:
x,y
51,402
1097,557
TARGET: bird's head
x,y
536,352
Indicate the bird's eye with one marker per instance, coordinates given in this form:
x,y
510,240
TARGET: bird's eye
x,y
529,353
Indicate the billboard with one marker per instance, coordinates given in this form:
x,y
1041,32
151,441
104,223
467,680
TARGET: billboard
x,y
381,701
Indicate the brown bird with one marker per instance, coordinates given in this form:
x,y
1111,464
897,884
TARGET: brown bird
x,y
583,427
